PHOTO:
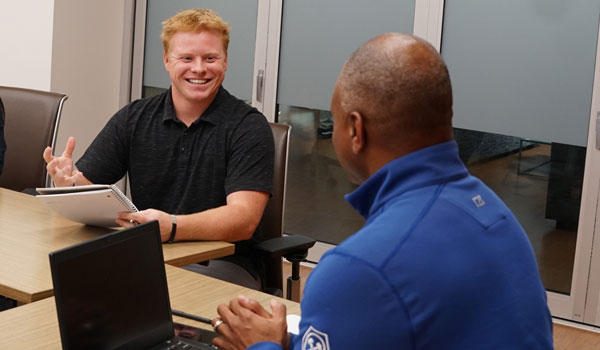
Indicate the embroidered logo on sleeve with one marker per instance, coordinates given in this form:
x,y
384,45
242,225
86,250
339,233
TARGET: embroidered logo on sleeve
x,y
479,202
315,340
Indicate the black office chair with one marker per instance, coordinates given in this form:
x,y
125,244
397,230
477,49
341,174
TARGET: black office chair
x,y
293,248
31,124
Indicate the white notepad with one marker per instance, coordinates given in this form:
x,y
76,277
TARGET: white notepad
x,y
96,205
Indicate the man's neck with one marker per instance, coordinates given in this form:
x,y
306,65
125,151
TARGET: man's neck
x,y
380,153
189,111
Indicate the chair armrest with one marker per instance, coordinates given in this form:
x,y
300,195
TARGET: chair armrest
x,y
281,246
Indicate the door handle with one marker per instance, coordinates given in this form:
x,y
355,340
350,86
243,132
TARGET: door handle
x,y
260,81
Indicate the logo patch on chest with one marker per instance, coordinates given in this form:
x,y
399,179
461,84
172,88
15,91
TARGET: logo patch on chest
x,y
315,340
479,202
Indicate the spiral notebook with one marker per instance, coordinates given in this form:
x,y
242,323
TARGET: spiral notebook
x,y
96,205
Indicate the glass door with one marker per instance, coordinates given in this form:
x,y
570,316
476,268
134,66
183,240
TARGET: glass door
x,y
523,102
316,38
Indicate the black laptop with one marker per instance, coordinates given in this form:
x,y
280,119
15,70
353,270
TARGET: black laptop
x,y
111,293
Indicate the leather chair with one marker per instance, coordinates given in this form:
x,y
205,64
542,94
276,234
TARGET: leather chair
x,y
31,124
275,245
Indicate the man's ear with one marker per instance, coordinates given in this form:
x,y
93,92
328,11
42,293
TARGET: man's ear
x,y
165,59
356,128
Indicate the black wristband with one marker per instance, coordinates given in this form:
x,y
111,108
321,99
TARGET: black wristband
x,y
173,229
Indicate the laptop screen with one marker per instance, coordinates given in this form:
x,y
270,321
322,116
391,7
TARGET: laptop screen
x,y
111,292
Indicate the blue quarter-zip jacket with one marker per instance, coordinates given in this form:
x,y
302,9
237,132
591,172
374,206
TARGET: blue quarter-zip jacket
x,y
441,264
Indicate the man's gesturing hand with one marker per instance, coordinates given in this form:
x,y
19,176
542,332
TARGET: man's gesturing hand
x,y
61,169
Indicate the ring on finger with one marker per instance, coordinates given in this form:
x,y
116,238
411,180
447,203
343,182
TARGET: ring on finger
x,y
217,324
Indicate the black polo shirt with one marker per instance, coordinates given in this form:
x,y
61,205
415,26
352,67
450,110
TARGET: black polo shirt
x,y
179,169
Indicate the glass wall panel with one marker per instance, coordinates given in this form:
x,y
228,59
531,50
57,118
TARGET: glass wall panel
x,y
241,16
522,68
316,38
522,73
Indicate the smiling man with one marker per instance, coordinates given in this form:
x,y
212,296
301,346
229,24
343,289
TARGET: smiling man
x,y
199,160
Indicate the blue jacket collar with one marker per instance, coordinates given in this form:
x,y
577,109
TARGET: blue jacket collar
x,y
428,166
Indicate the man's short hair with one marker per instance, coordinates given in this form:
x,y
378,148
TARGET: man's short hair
x,y
400,83
194,20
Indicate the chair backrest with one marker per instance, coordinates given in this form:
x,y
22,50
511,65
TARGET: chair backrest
x,y
272,220
30,125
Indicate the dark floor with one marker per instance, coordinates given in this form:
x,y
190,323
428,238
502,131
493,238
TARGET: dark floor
x,y
317,184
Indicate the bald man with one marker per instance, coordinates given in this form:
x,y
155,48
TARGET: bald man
x,y
441,262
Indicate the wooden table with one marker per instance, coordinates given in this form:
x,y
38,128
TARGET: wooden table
x,y
35,326
29,231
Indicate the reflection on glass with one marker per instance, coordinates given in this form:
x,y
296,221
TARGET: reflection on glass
x,y
541,183
316,183
311,56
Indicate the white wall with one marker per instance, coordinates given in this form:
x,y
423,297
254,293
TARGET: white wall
x,y
26,42
90,63
80,48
